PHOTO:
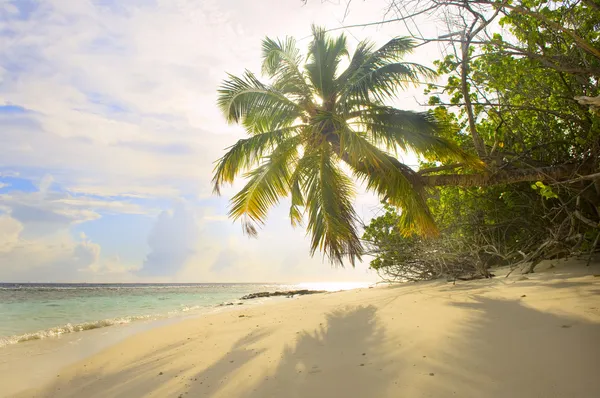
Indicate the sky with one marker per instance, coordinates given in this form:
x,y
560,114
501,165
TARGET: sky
x,y
109,132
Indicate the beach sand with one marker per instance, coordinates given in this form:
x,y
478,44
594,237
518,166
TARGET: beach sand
x,y
533,336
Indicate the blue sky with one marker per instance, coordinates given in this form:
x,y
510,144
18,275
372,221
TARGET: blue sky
x,y
109,134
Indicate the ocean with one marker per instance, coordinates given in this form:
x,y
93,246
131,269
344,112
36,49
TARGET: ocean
x,y
32,311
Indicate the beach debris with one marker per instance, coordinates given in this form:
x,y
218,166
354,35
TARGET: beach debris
x,y
566,326
287,293
431,374
160,374
364,353
524,295
362,364
241,316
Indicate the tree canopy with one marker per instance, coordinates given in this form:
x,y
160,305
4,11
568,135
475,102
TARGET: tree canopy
x,y
314,126
519,79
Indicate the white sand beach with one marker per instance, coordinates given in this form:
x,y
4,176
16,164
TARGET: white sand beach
x,y
533,336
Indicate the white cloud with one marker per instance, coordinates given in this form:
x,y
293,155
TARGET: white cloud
x,y
9,233
116,92
118,105
62,208
52,257
172,241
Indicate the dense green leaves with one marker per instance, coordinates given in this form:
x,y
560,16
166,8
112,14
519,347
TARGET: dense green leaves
x,y
522,86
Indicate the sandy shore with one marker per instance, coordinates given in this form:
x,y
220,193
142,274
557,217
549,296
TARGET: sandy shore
x,y
504,337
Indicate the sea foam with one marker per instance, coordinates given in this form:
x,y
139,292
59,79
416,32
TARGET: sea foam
x,y
70,328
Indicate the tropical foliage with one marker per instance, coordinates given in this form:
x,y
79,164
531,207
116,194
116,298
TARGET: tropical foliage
x,y
515,94
318,123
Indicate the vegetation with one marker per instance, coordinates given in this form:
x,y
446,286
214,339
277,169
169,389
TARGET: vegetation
x,y
509,150
519,99
313,123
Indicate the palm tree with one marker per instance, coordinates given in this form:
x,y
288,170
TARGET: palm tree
x,y
312,125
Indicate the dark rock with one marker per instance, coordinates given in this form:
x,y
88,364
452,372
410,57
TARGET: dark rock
x,y
288,293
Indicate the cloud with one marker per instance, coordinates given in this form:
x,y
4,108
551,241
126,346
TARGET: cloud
x,y
9,233
52,210
36,242
57,257
226,259
120,99
46,258
110,107
172,241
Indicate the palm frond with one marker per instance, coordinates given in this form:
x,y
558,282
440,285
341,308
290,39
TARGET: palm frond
x,y
267,184
246,153
324,56
381,82
305,166
331,216
281,62
378,75
416,131
391,179
246,100
363,51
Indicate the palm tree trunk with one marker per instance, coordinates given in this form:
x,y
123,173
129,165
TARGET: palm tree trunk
x,y
547,174
483,179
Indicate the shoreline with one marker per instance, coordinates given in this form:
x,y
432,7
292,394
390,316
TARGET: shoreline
x,y
475,338
59,330
58,351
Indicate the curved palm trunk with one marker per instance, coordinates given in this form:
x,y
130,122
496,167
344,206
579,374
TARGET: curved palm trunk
x,y
486,179
550,173
483,179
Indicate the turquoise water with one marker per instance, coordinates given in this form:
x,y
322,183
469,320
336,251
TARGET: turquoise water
x,y
36,311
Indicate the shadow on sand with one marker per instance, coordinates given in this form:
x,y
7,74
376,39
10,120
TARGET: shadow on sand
x,y
511,350
344,347
500,348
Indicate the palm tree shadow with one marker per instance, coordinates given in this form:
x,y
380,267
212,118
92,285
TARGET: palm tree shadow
x,y
343,358
210,381
509,349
